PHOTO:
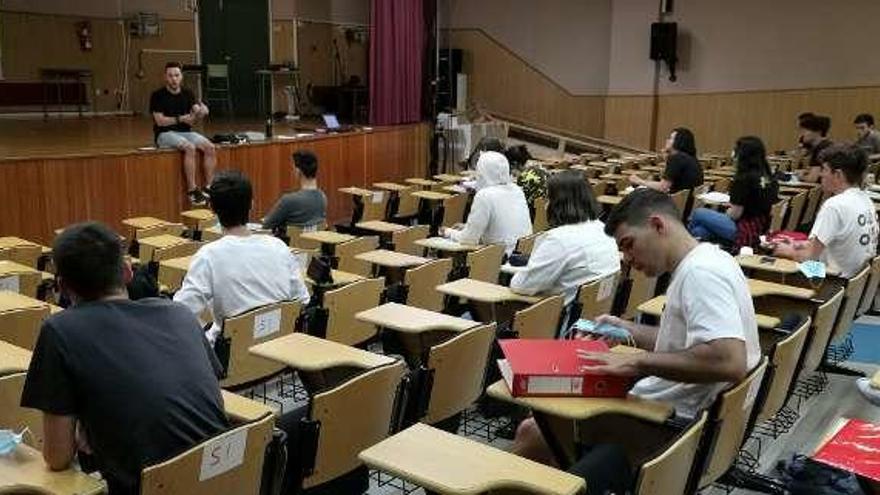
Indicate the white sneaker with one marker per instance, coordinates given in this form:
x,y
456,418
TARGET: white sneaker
x,y
870,393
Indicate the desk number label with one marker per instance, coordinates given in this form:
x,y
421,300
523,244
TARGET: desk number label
x,y
223,454
10,283
606,288
266,324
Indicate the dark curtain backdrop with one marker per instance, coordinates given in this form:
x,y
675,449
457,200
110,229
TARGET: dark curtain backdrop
x,y
397,47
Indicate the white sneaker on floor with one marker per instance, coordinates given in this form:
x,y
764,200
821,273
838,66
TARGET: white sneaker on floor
x,y
870,393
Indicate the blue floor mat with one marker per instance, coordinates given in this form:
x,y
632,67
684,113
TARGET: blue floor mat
x,y
866,341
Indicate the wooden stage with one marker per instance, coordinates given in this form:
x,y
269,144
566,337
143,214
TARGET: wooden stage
x,y
64,171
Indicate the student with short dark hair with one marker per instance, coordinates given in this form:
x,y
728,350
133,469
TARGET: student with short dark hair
x,y
575,250
845,231
752,194
302,208
868,137
708,333
814,138
137,376
683,170
240,271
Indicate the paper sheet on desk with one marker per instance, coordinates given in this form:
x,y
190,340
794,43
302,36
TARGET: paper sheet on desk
x,y
444,243
715,197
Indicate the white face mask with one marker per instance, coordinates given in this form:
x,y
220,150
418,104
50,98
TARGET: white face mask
x,y
9,440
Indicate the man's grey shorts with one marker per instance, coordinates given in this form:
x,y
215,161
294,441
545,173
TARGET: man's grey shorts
x,y
175,139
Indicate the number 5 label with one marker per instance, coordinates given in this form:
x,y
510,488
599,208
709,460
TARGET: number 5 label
x,y
223,453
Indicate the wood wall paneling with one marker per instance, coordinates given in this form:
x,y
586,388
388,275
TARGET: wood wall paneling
x,y
628,120
501,81
34,41
43,194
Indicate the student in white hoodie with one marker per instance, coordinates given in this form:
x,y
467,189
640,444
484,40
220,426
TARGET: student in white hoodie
x,y
499,213
576,250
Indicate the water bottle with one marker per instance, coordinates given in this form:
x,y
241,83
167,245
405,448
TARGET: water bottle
x,y
269,127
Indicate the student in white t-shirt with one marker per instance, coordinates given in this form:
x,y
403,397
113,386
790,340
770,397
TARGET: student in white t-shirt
x,y
499,213
240,271
707,338
844,234
576,250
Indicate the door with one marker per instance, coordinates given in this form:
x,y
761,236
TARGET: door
x,y
236,33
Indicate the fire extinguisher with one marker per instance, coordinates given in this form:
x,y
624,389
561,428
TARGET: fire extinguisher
x,y
84,32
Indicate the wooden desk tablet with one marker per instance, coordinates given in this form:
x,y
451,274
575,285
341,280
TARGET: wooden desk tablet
x,y
446,245
609,200
356,191
422,182
410,319
142,227
451,464
654,307
340,278
308,353
431,195
24,471
199,219
760,288
241,409
449,178
390,186
22,251
28,278
148,246
212,233
172,272
380,226
13,359
776,265
455,189
327,237
13,242
391,259
581,408
477,290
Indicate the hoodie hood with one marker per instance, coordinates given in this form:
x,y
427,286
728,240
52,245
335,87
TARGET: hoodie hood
x,y
492,170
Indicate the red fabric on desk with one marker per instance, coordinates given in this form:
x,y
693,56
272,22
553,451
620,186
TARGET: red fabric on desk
x,y
855,448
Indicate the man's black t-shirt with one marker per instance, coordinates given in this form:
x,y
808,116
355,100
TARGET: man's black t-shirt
x,y
171,105
138,375
683,171
816,150
756,193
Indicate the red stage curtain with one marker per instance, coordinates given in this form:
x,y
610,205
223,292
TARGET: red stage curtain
x,y
397,40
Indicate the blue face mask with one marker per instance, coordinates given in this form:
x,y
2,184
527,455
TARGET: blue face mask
x,y
812,269
9,440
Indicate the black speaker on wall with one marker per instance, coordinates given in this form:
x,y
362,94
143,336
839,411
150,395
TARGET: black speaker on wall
x,y
450,67
664,40
664,44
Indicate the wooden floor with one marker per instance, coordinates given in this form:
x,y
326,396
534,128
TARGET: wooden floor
x,y
34,137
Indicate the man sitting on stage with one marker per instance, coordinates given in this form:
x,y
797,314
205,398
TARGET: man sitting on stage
x,y
175,110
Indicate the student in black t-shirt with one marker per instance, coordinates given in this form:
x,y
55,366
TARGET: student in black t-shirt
x,y
752,194
814,138
175,110
131,382
683,170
